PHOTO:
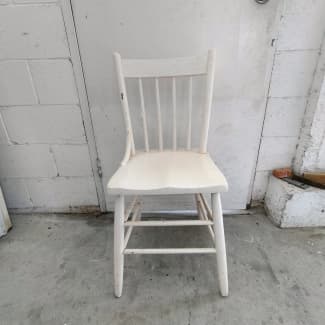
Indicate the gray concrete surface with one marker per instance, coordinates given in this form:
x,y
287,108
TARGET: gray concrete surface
x,y
57,269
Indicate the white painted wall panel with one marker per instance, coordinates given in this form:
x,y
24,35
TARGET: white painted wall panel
x,y
302,29
54,81
15,193
3,133
241,32
16,87
35,31
229,132
293,73
44,124
298,46
72,160
39,107
62,192
308,7
26,161
321,158
276,152
260,184
284,116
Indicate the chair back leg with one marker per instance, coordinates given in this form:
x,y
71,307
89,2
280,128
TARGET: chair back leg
x,y
220,243
118,245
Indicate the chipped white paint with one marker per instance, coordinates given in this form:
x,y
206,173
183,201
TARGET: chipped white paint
x,y
321,156
309,155
290,206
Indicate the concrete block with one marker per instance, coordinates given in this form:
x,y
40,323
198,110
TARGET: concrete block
x,y
284,116
54,81
62,193
5,222
293,73
302,30
313,126
72,160
260,185
16,87
44,124
26,161
3,134
290,206
276,152
15,193
34,31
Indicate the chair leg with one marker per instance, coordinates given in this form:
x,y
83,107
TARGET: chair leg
x,y
220,244
118,245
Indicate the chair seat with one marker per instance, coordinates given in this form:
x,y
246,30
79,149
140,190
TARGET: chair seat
x,y
168,172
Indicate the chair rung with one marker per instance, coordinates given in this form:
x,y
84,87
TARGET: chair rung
x,y
169,251
169,223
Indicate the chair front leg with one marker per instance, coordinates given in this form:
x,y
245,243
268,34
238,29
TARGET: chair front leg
x,y
220,244
118,245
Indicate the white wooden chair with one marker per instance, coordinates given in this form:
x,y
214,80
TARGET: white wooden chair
x,y
167,171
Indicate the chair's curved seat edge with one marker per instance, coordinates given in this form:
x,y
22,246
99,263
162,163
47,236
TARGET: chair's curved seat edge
x,y
168,172
167,190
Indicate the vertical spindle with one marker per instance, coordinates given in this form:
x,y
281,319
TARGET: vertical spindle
x,y
208,99
174,115
189,126
160,137
143,115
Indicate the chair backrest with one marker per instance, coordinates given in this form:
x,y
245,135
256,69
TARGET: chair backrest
x,y
188,67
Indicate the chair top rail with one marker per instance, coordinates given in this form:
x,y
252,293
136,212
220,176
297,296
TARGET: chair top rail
x,y
177,67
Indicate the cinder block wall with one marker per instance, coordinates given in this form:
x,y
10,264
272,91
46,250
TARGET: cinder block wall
x,y
298,45
44,158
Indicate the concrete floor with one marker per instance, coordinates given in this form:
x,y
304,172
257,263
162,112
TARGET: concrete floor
x,y
58,269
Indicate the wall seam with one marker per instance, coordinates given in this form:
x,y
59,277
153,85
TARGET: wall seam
x,y
274,40
32,82
2,122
